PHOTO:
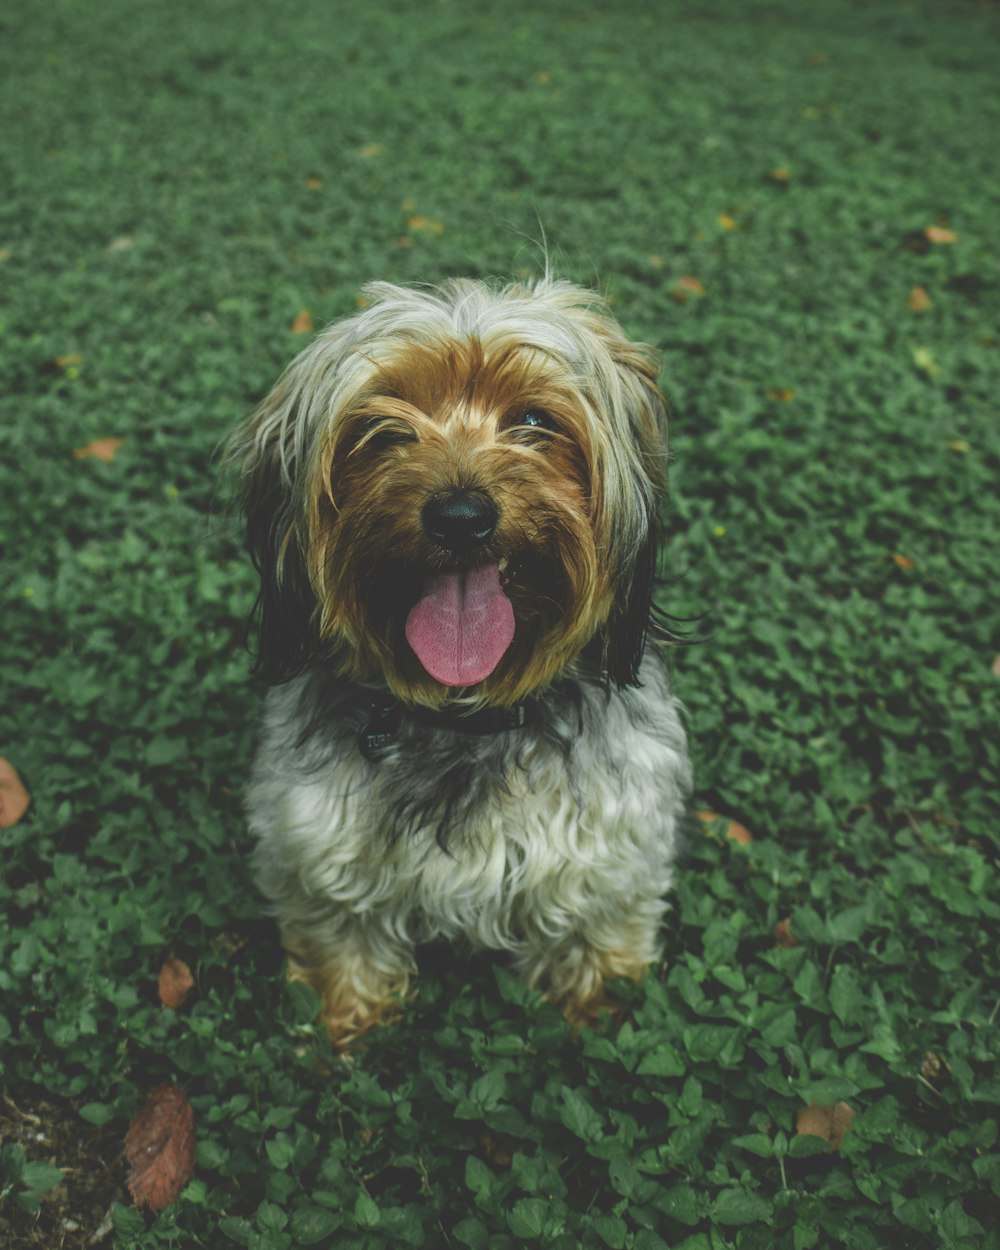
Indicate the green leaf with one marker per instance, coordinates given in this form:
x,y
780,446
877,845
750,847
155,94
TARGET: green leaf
x,y
41,1176
528,1217
739,1206
663,1060
579,1116
366,1211
314,1224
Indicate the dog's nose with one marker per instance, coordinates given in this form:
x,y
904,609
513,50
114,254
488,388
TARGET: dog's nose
x,y
460,521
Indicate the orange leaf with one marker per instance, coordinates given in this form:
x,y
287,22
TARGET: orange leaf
x,y
783,934
303,323
175,982
686,287
160,1147
14,799
314,184
427,224
903,562
101,449
68,362
829,1123
779,175
734,831
919,301
938,234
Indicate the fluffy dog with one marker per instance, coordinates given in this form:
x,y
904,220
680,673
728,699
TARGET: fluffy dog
x,y
453,500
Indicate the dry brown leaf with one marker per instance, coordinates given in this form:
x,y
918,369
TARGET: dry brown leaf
x,y
160,1148
829,1123
919,301
14,799
995,667
68,362
783,934
303,322
938,234
903,562
426,224
734,831
100,449
686,287
175,982
781,395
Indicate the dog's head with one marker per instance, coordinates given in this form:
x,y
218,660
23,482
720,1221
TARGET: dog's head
x,y
456,493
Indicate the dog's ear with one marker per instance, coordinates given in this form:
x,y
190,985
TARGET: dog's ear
x,y
282,627
644,425
627,627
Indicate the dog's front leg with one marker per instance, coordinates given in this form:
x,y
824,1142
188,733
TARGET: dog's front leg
x,y
571,968
358,966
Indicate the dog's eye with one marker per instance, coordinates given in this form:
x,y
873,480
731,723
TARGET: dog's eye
x,y
381,435
534,425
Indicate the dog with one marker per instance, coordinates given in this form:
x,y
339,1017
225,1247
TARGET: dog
x,y
453,499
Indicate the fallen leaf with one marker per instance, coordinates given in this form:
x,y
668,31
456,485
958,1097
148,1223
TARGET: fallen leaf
x,y
919,301
934,1069
68,362
160,1148
427,224
925,361
938,234
314,184
903,562
100,449
829,1123
303,322
727,222
780,175
686,287
781,394
783,934
175,982
14,799
734,831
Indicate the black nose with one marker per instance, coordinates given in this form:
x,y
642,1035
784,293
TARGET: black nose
x,y
460,521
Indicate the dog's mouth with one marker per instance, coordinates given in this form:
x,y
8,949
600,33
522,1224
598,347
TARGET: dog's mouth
x,y
462,624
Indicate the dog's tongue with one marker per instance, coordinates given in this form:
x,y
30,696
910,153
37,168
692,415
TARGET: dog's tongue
x,y
461,625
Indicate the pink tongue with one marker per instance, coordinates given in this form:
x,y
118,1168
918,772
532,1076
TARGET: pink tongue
x,y
461,625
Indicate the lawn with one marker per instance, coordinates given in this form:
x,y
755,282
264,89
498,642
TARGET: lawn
x,y
799,204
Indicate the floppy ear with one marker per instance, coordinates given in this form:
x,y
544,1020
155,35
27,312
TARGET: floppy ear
x,y
282,622
628,625
645,425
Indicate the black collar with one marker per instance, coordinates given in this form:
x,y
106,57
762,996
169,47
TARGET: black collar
x,y
386,718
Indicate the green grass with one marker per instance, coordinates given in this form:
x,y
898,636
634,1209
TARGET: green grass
x,y
179,182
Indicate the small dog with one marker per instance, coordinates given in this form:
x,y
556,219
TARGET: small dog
x,y
453,501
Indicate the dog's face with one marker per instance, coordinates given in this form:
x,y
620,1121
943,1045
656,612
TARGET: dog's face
x,y
457,492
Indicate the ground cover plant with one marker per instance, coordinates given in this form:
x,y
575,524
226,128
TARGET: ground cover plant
x,y
799,205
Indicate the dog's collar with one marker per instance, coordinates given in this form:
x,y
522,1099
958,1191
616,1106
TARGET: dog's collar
x,y
386,718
